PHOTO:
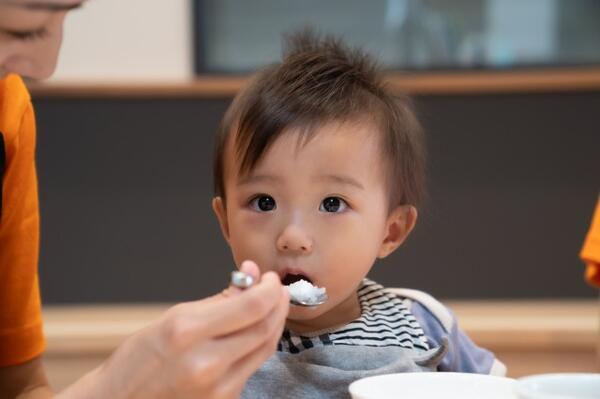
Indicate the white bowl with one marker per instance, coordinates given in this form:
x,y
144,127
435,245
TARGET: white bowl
x,y
433,386
559,386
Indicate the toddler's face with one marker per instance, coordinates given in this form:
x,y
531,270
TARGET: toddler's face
x,y
317,210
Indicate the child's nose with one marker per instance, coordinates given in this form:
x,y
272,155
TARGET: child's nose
x,y
294,239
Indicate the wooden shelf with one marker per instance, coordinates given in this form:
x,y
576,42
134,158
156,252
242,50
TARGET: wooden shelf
x,y
530,325
438,83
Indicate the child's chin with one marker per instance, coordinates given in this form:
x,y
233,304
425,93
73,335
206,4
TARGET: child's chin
x,y
304,313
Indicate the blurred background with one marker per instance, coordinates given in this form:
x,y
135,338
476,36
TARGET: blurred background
x,y
508,92
126,129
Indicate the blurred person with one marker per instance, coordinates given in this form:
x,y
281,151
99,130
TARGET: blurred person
x,y
590,253
207,348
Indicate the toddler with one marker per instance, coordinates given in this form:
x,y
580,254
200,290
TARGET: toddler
x,y
318,172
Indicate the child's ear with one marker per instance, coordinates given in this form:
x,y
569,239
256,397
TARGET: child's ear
x,y
220,211
398,226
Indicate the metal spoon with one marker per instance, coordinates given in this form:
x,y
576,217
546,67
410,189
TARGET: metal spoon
x,y
319,301
242,280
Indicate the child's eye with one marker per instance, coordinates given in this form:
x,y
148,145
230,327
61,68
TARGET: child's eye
x,y
333,205
263,203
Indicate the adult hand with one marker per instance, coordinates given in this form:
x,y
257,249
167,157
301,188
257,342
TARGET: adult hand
x,y
202,349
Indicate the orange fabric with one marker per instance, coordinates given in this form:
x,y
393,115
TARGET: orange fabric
x,y
590,253
21,336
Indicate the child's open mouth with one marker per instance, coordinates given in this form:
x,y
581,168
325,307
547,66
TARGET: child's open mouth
x,y
289,278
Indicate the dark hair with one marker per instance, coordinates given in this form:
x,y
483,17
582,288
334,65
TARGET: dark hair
x,y
321,80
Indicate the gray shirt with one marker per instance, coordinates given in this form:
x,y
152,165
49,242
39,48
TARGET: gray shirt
x,y
399,330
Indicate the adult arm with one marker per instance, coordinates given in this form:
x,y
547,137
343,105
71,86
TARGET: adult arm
x,y
206,348
24,381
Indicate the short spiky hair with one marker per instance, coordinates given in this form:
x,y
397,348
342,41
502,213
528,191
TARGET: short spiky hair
x,y
320,80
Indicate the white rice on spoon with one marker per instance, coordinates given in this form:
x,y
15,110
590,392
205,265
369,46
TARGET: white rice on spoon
x,y
305,292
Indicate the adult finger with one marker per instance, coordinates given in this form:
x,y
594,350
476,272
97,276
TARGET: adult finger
x,y
244,367
237,344
251,268
229,314
209,363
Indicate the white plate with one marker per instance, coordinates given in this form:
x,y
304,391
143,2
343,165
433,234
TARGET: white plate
x,y
433,386
559,386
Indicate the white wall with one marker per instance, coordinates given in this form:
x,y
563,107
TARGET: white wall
x,y
127,40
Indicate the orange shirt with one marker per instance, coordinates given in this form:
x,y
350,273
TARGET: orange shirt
x,y
590,253
21,336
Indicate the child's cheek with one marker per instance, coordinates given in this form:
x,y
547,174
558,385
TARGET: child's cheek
x,y
250,239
